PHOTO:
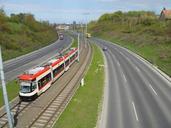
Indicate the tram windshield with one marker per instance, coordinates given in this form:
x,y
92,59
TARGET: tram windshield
x,y
25,87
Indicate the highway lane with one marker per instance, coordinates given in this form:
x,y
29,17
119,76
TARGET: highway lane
x,y
138,96
18,65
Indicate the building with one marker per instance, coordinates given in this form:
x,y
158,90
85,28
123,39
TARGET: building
x,y
165,14
74,25
62,27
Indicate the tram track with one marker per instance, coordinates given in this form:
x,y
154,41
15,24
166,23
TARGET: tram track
x,y
52,111
15,110
62,99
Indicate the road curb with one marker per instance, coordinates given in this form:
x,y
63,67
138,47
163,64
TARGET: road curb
x,y
102,115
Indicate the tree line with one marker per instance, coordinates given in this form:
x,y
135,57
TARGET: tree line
x,y
133,20
22,33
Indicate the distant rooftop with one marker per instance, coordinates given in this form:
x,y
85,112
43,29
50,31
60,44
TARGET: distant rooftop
x,y
165,14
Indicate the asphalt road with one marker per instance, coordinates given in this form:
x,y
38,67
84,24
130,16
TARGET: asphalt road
x,y
18,65
138,96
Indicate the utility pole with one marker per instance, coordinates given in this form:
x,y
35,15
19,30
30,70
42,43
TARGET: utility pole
x,y
10,119
85,39
82,33
86,32
78,47
86,36
82,28
86,27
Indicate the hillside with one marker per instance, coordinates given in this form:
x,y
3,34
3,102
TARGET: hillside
x,y
21,33
140,31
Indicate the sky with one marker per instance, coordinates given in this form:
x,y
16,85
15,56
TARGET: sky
x,y
67,11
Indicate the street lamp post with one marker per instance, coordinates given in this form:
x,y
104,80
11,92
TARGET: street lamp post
x,y
86,34
78,47
9,116
86,27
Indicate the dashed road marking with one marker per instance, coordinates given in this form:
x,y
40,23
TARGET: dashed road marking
x,y
124,77
118,63
121,53
127,58
153,89
137,69
135,112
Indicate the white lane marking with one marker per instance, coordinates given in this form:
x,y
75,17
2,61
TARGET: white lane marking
x,y
127,58
152,89
124,77
137,69
114,57
122,54
118,63
135,111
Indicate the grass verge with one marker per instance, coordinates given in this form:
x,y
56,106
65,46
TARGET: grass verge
x,y
74,39
82,111
12,90
74,42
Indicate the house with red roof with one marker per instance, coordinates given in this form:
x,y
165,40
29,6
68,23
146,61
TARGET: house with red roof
x,y
165,14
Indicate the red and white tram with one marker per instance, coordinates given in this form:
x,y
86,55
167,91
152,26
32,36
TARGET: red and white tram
x,y
37,80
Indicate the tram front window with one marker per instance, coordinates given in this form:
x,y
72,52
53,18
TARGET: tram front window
x,y
25,87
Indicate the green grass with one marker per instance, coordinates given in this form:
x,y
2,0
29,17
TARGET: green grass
x,y
74,43
74,40
12,90
82,111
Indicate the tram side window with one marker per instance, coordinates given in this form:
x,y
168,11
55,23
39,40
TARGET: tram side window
x,y
67,62
58,70
72,58
76,54
33,86
42,82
